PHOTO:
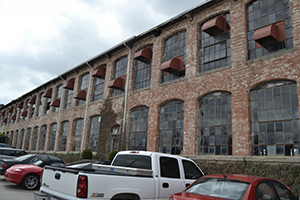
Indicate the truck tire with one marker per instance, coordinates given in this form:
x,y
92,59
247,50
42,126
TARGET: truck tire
x,y
31,182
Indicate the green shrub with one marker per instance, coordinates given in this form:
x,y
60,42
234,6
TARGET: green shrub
x,y
112,154
87,154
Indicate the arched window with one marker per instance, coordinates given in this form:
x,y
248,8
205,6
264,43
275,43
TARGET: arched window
x,y
42,137
98,84
215,43
275,123
64,129
83,85
120,68
16,136
52,135
94,133
27,139
77,134
21,138
139,128
171,127
214,124
174,47
35,138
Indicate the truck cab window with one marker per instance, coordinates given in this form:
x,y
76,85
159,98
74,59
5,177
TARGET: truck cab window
x,y
169,167
191,171
134,161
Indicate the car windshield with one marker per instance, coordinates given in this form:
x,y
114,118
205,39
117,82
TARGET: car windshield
x,y
21,158
219,187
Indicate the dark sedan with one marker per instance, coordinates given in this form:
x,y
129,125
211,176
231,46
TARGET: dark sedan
x,y
28,159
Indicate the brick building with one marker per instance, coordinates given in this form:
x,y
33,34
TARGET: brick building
x,y
219,79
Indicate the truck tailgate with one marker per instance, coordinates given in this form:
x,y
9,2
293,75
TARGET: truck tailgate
x,y
61,180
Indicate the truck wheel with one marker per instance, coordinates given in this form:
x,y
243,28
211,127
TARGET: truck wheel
x,y
31,182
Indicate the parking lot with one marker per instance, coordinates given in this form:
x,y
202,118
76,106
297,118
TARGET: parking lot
x,y
10,191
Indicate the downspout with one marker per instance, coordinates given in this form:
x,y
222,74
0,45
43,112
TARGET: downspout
x,y
126,88
86,106
59,118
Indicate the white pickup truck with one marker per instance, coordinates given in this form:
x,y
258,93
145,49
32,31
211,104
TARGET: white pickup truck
x,y
132,175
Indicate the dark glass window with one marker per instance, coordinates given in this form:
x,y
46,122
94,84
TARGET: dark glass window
x,y
214,124
51,141
40,104
275,119
21,138
47,105
119,71
263,13
34,138
174,47
78,128
134,161
139,128
169,168
94,133
68,98
43,137
98,88
171,127
83,84
27,139
58,93
142,74
64,129
215,49
191,171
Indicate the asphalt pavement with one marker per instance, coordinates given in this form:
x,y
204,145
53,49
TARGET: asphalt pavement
x,y
10,191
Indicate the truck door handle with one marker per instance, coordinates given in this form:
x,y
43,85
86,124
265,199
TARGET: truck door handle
x,y
186,185
165,185
57,176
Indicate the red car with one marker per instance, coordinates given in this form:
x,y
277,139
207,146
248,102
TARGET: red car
x,y
28,175
237,187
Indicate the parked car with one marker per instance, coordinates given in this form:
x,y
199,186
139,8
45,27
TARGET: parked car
x,y
230,186
29,175
28,159
6,152
6,145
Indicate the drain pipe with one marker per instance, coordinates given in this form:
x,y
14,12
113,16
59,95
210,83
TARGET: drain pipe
x,y
86,106
126,87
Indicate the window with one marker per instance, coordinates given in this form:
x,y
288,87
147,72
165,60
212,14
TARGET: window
x,y
42,137
98,84
215,47
275,122
83,85
31,114
25,113
16,137
47,105
12,138
119,72
21,139
142,70
58,93
267,12
191,171
134,161
51,141
63,135
214,124
68,99
174,47
27,139
40,104
169,168
114,140
78,128
171,127
94,133
139,128
35,138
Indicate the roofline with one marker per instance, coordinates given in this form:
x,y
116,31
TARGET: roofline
x,y
130,41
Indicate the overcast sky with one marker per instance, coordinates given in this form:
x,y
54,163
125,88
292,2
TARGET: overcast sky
x,y
41,39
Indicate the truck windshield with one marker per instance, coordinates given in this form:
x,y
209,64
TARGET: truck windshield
x,y
134,161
